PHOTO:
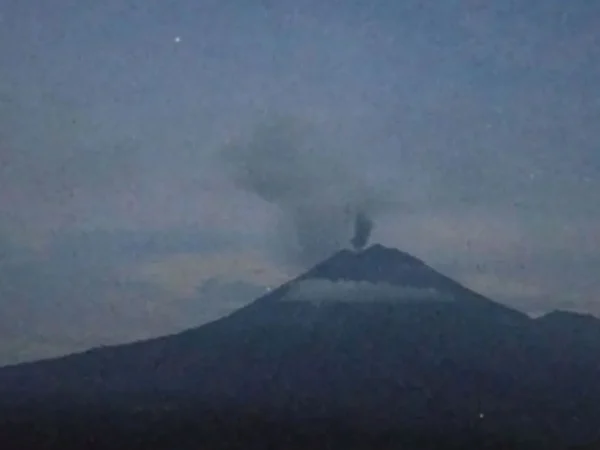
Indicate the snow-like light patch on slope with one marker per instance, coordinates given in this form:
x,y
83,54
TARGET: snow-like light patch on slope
x,y
319,291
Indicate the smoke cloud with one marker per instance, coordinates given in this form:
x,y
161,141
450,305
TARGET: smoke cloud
x,y
325,203
363,225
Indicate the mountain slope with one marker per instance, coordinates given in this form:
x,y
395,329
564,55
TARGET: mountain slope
x,y
376,336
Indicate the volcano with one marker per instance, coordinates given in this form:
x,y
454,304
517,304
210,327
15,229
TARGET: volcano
x,y
376,337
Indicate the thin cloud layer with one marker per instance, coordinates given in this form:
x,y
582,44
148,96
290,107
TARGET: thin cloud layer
x,y
325,291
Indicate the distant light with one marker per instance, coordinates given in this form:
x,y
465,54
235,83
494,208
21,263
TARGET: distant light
x,y
481,415
177,39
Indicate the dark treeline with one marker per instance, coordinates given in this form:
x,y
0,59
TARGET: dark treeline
x,y
189,429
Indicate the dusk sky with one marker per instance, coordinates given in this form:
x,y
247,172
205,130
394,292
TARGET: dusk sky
x,y
473,128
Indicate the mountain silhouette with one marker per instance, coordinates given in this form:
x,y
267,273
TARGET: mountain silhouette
x,y
375,337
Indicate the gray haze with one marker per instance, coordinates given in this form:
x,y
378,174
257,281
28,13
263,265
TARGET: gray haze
x,y
148,147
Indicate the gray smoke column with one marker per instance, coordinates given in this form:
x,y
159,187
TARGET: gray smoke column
x,y
363,226
320,195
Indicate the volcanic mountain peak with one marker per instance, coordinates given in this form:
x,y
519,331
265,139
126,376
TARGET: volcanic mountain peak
x,y
374,264
380,274
377,273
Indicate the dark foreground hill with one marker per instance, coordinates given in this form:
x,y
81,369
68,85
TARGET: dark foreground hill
x,y
364,349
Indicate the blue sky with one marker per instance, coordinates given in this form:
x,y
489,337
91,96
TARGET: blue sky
x,y
477,122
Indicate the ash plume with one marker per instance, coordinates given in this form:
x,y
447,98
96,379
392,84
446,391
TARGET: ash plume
x,y
363,226
321,198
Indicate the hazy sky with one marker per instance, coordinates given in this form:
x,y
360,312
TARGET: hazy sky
x,y
479,126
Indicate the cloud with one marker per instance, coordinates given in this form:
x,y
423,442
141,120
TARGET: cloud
x,y
106,246
319,291
98,288
184,273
